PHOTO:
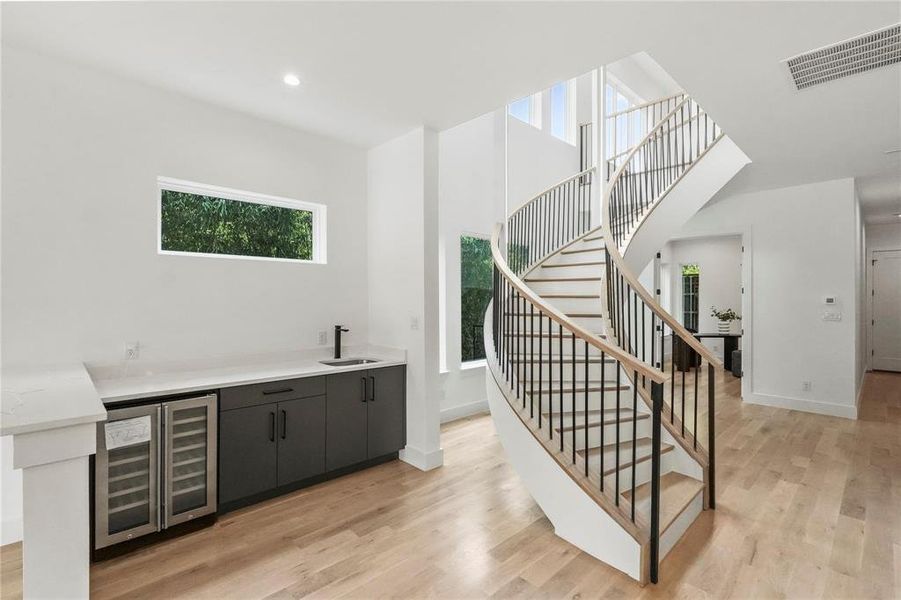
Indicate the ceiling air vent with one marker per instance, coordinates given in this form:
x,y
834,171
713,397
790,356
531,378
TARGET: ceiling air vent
x,y
869,51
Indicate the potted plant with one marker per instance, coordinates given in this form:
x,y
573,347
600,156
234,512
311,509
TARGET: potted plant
x,y
725,318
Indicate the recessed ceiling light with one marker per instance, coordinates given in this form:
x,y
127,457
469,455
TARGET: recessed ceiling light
x,y
292,79
893,151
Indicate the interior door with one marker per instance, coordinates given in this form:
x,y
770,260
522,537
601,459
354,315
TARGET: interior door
x,y
126,475
190,481
301,439
886,326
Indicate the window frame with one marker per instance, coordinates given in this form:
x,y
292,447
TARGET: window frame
x,y
570,127
534,110
318,230
474,362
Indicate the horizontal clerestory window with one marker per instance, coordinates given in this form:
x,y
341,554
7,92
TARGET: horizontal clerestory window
x,y
204,220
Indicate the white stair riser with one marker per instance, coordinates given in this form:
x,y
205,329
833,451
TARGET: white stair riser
x,y
571,271
575,305
541,372
594,433
578,257
594,399
528,323
564,287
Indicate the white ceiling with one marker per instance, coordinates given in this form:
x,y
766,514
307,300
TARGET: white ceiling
x,y
371,71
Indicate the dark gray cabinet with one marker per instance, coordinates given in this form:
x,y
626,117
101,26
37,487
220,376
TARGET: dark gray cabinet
x,y
301,439
346,419
247,452
386,411
366,415
275,434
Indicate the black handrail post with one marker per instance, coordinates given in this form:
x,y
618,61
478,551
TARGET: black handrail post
x,y
657,407
711,437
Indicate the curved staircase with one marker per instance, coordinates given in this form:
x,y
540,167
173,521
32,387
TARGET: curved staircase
x,y
613,438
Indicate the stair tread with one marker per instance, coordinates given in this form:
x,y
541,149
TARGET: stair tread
x,y
543,334
580,359
559,279
572,296
588,263
577,315
642,453
676,493
554,389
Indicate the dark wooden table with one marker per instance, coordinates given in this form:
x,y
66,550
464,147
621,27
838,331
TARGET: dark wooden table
x,y
730,343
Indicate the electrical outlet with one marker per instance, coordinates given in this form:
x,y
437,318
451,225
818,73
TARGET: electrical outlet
x,y
132,350
805,386
414,323
323,338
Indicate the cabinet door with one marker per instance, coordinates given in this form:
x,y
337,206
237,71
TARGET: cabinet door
x,y
345,419
301,439
387,411
247,451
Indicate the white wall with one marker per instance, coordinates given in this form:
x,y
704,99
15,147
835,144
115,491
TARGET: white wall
x,y
471,201
537,160
402,258
81,274
799,247
641,74
719,283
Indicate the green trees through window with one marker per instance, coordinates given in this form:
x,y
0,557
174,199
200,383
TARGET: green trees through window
x,y
475,294
209,225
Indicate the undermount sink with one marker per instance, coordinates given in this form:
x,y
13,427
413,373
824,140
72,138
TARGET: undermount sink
x,y
345,362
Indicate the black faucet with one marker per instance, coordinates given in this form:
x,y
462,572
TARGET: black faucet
x,y
338,330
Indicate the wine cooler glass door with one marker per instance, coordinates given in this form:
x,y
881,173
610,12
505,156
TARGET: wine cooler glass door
x,y
126,475
190,479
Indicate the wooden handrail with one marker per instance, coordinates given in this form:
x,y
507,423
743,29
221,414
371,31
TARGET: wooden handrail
x,y
624,358
550,189
613,250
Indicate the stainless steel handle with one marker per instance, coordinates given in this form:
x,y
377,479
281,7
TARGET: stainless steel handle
x,y
166,496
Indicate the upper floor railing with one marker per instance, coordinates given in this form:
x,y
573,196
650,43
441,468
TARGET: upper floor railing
x,y
624,129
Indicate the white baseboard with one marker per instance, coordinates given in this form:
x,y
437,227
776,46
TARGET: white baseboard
x,y
464,410
424,461
11,531
804,405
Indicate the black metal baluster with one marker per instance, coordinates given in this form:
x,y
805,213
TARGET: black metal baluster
x,y
531,361
603,413
711,438
634,439
616,462
694,430
586,407
540,363
573,395
560,337
656,407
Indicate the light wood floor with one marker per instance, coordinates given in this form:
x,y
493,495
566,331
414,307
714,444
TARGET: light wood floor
x,y
808,507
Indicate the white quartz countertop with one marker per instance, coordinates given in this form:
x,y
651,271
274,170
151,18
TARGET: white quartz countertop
x,y
133,380
38,399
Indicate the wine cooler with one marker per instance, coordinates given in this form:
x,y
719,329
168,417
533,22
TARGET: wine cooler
x,y
155,468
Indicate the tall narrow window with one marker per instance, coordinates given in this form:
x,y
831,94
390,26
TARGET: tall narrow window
x,y
475,293
690,276
562,98
205,220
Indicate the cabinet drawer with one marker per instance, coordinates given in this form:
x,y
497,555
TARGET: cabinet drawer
x,y
273,391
